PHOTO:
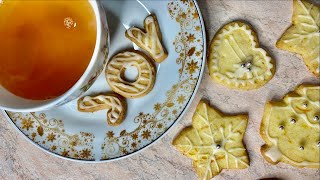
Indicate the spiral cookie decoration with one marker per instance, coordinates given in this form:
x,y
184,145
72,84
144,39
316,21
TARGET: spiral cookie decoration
x,y
144,81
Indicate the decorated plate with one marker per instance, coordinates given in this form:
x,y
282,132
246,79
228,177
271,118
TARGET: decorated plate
x,y
68,133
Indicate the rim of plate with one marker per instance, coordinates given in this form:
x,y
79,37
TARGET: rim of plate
x,y
158,138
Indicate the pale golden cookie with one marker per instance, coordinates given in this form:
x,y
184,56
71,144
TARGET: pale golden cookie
x,y
144,81
150,39
235,59
290,128
214,142
115,105
303,36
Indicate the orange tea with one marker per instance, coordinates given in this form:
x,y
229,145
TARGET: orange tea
x,y
45,45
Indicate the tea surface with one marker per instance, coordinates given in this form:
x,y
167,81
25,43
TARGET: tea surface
x,y
45,46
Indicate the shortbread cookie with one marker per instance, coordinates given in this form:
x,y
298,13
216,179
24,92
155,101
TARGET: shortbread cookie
x,y
115,105
303,36
143,83
214,142
235,59
290,128
150,39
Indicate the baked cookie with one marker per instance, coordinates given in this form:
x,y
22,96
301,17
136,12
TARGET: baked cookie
x,y
146,74
115,105
235,59
150,39
302,37
290,128
214,142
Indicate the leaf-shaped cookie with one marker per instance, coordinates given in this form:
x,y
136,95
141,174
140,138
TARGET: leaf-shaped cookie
x,y
150,40
291,128
303,37
235,59
214,142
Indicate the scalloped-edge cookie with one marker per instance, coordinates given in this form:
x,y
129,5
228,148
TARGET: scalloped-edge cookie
x,y
143,83
214,142
290,128
235,59
115,105
150,39
303,36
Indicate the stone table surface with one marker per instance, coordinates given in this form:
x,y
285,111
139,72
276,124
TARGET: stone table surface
x,y
20,159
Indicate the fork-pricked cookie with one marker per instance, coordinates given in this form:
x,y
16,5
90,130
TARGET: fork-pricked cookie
x,y
291,128
303,36
236,60
150,39
115,105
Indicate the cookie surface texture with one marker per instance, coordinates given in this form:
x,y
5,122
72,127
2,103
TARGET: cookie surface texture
x,y
235,59
115,105
214,142
290,128
303,36
150,39
143,83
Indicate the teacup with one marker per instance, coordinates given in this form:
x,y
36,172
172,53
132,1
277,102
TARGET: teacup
x,y
11,102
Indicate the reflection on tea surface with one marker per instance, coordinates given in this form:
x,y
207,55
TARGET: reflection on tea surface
x,y
45,46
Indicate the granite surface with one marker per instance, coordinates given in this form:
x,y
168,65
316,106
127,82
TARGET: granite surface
x,y
21,160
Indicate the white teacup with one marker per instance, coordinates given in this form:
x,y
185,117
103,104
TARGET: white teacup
x,y
11,102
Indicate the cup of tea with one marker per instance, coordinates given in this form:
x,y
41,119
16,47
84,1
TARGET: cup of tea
x,y
51,52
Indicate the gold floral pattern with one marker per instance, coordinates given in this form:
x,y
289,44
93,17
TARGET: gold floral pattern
x,y
50,134
189,47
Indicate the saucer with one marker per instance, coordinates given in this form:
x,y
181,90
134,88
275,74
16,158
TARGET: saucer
x,y
68,133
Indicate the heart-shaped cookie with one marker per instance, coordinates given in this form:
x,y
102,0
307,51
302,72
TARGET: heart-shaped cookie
x,y
235,59
150,40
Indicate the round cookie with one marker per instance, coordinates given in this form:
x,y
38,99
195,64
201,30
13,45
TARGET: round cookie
x,y
235,59
146,74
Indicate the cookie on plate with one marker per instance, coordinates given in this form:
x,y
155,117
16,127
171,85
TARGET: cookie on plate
x,y
214,142
143,83
235,59
302,37
115,105
150,39
290,128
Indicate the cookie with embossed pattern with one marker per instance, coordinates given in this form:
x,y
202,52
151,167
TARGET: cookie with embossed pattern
x,y
236,60
302,37
291,128
214,142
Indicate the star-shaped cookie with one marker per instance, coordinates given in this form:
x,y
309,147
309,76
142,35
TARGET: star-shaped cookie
x,y
214,142
291,128
236,60
303,36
